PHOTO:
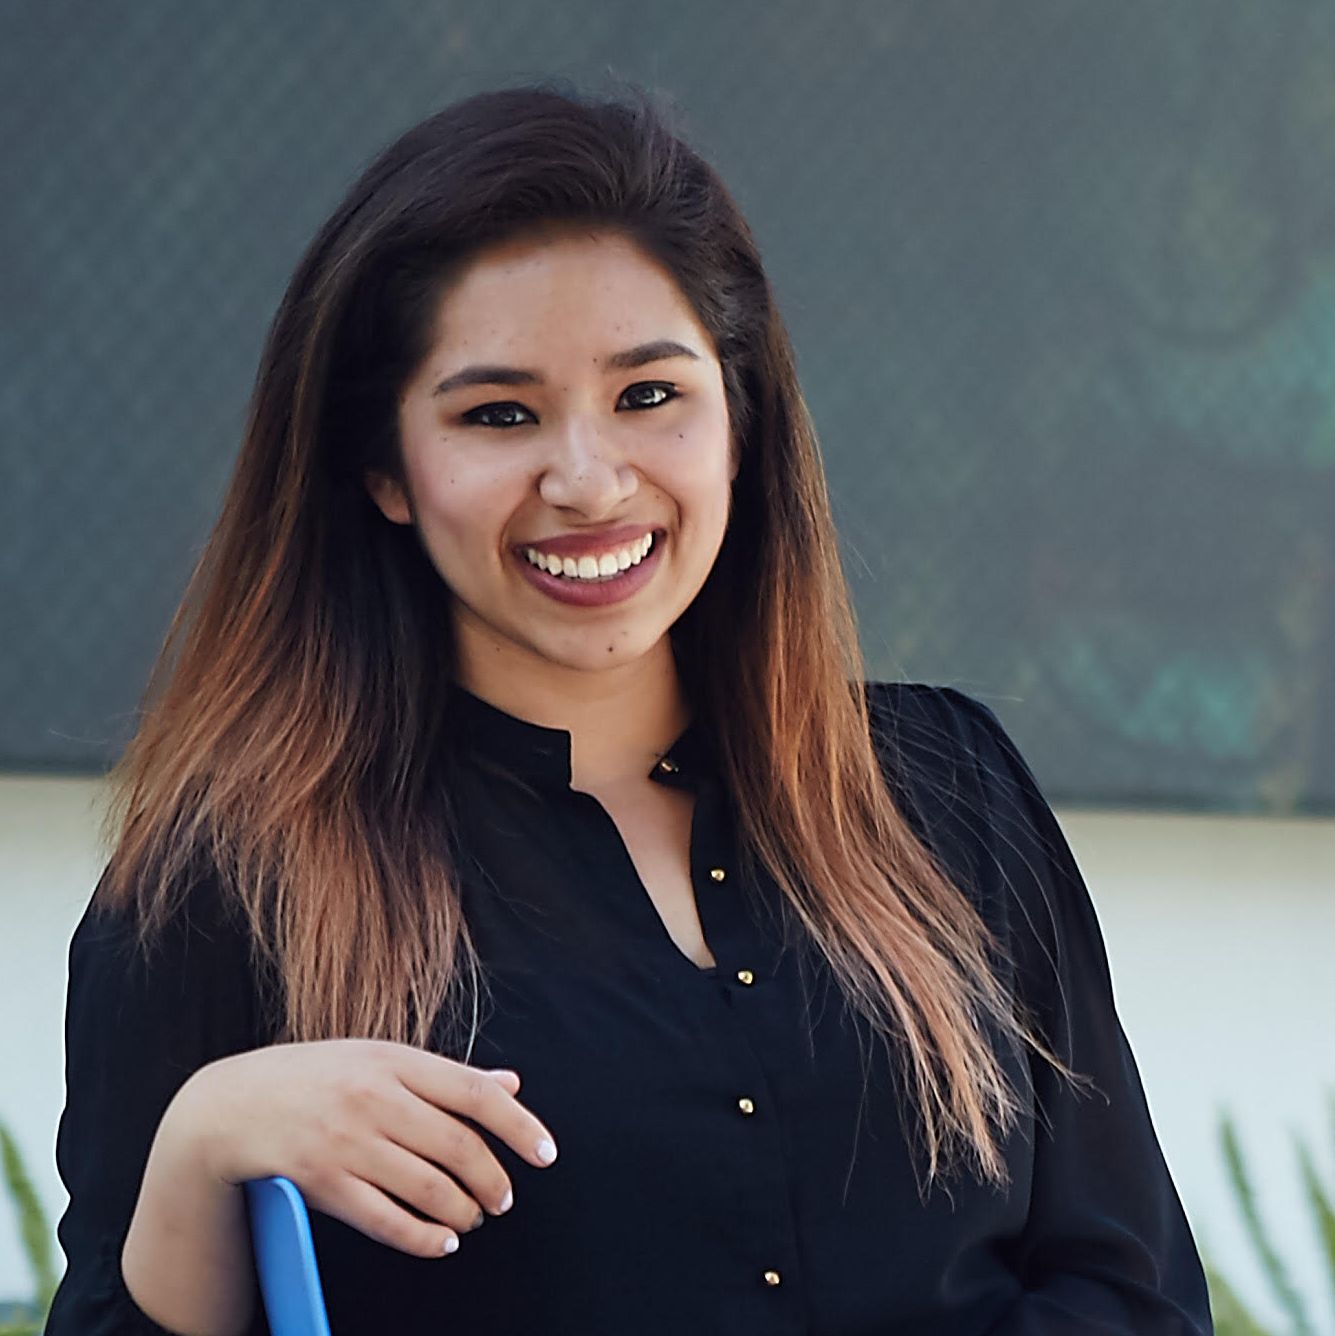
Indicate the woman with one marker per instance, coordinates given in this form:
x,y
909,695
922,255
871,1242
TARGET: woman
x,y
510,778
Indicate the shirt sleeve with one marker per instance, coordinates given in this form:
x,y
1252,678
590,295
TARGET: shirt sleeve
x,y
1106,1249
135,1030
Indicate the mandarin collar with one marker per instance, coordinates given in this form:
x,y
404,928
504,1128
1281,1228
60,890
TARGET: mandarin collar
x,y
541,755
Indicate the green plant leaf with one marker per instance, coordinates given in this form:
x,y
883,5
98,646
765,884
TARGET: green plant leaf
x,y
1231,1316
1271,1264
1320,1201
34,1229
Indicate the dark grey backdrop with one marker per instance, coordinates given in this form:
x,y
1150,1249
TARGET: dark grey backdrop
x,y
1059,274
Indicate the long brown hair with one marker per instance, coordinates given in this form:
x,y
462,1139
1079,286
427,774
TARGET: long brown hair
x,y
289,725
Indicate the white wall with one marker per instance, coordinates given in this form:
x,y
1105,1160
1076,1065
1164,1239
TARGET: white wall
x,y
1221,934
48,866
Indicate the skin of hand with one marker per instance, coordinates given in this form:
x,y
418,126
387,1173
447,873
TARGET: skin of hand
x,y
358,1123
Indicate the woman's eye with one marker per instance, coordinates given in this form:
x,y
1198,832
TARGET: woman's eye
x,y
502,413
666,391
648,394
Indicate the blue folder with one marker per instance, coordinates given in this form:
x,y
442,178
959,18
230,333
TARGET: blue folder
x,y
285,1258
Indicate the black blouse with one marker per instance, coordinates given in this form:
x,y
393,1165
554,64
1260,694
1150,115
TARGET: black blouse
x,y
732,1158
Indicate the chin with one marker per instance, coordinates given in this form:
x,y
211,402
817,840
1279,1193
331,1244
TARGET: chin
x,y
598,651
596,660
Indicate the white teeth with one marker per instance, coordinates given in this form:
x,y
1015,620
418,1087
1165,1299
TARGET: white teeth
x,y
601,567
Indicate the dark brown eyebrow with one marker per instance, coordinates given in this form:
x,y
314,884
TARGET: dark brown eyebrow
x,y
657,351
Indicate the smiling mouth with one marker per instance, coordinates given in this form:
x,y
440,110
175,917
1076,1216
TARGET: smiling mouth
x,y
593,567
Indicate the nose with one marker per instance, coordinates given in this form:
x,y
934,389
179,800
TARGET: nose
x,y
586,472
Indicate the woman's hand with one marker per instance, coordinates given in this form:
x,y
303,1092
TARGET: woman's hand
x,y
363,1127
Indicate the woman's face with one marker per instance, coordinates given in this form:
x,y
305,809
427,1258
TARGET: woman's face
x,y
569,415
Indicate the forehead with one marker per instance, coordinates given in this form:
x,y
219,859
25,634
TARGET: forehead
x,y
583,287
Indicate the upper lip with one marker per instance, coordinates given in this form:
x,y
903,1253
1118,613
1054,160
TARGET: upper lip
x,y
589,541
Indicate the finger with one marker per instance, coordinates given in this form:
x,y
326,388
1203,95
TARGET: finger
x,y
506,1076
363,1206
422,1185
465,1090
440,1138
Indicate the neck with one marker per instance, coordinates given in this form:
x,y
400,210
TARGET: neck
x,y
620,720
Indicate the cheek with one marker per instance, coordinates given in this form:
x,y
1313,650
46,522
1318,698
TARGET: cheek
x,y
706,449
460,492
701,478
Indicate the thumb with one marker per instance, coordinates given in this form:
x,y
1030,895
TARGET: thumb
x,y
507,1077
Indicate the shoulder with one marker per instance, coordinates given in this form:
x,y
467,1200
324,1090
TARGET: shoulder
x,y
199,952
939,740
960,780
924,712
115,919
941,750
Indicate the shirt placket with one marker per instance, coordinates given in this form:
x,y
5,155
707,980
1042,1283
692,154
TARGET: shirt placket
x,y
741,987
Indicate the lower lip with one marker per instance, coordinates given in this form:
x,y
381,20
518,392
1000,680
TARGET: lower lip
x,y
593,593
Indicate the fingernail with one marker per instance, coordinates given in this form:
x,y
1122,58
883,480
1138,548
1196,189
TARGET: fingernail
x,y
508,1200
480,1221
546,1151
451,1245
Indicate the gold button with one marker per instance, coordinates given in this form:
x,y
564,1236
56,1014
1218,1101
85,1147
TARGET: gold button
x,y
745,976
771,1277
745,1105
668,766
717,873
